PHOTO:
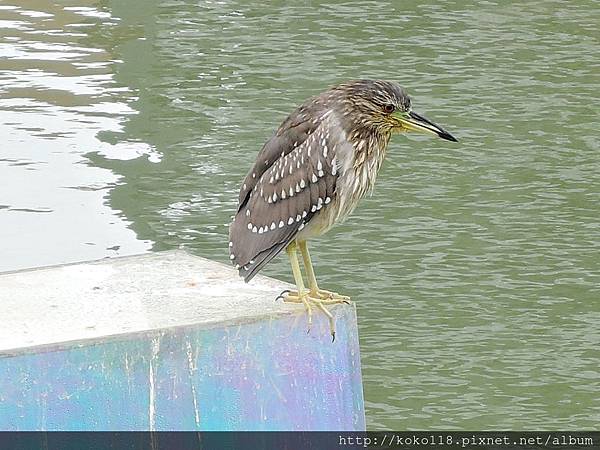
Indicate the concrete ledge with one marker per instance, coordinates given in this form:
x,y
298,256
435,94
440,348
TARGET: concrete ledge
x,y
169,341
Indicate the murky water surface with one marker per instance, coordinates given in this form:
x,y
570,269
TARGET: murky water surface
x,y
127,127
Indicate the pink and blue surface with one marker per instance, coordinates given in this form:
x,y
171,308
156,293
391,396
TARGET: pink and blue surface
x,y
170,341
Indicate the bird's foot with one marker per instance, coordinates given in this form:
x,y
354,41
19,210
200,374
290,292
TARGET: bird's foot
x,y
332,297
326,297
316,299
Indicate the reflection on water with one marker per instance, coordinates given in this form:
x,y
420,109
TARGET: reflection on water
x,y
57,92
475,266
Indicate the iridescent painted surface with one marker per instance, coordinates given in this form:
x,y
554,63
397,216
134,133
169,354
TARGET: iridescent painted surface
x,y
267,375
127,126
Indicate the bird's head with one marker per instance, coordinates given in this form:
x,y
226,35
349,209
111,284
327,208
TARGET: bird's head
x,y
383,106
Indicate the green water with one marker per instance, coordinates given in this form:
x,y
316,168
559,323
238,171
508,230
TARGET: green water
x,y
127,126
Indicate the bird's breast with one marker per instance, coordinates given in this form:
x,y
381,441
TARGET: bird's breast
x,y
357,175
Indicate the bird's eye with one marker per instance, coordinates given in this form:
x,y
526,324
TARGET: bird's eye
x,y
389,108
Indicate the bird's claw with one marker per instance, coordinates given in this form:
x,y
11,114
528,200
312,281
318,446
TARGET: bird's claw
x,y
283,295
315,298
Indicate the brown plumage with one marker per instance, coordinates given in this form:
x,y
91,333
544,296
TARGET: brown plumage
x,y
320,162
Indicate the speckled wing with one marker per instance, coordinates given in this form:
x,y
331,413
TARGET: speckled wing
x,y
290,135
285,197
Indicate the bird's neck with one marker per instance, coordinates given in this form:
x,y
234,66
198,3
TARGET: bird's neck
x,y
369,152
369,146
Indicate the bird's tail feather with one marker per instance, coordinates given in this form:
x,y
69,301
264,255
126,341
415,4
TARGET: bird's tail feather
x,y
263,258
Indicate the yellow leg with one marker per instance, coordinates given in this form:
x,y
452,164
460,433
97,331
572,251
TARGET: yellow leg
x,y
327,296
313,296
302,296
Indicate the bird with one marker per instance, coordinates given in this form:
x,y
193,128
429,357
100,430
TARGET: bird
x,y
312,173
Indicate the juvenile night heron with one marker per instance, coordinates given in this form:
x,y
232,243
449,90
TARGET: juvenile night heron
x,y
311,174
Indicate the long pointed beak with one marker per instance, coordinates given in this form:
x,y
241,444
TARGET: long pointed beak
x,y
414,122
